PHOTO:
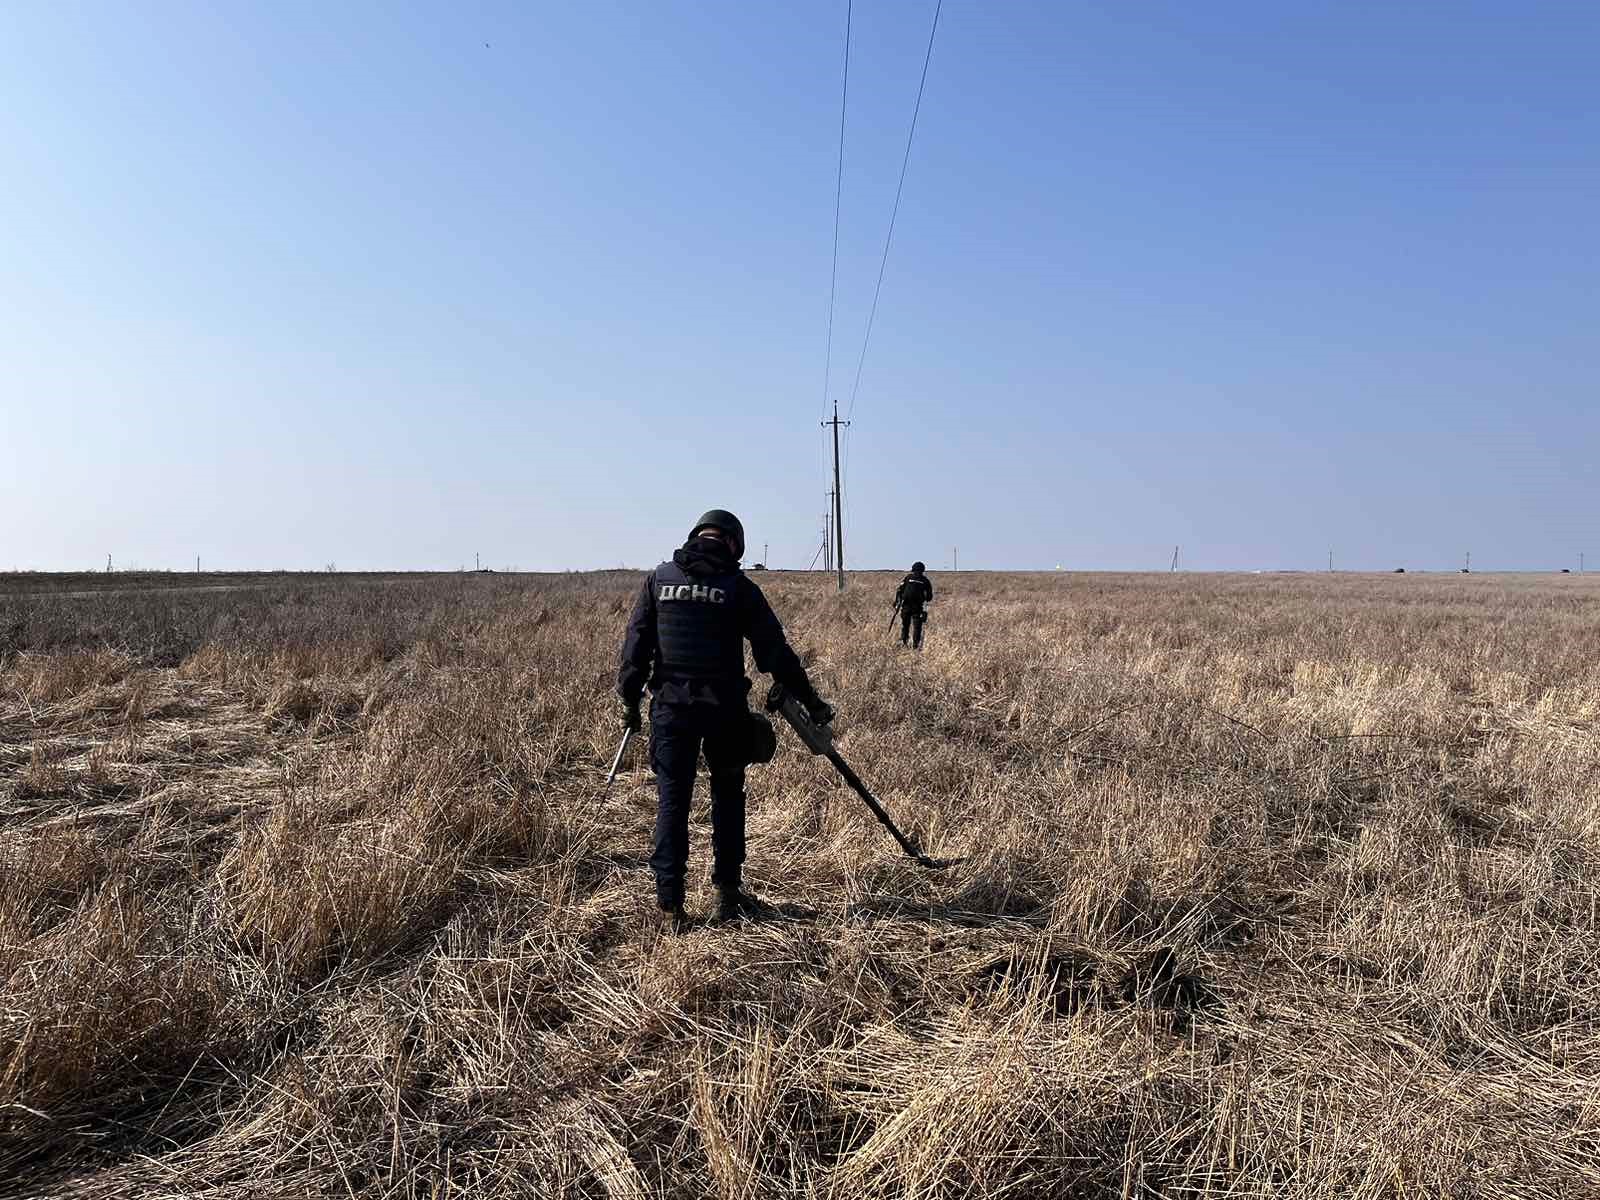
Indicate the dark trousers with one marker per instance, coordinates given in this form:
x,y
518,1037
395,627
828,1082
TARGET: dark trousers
x,y
678,733
911,627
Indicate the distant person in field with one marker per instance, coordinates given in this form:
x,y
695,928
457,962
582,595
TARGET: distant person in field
x,y
685,640
912,598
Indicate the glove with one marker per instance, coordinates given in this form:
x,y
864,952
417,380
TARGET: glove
x,y
631,720
819,712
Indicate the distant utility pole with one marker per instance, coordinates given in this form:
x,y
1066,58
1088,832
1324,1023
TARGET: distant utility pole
x,y
766,551
108,564
1330,562
827,535
197,564
1174,565
1468,566
838,499
955,558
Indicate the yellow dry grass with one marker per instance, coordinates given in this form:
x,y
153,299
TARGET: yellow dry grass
x,y
1275,886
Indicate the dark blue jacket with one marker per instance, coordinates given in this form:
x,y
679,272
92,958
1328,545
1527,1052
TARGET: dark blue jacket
x,y
689,625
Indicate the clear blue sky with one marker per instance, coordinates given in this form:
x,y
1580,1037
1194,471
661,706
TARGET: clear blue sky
x,y
287,284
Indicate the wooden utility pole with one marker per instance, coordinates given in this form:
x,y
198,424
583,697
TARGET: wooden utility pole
x,y
838,498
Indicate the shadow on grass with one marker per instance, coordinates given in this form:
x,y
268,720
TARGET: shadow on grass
x,y
157,1115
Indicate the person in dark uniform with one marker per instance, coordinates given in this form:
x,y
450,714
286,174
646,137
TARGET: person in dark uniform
x,y
686,640
912,597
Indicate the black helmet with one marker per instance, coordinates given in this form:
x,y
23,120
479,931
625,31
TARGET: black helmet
x,y
721,518
918,568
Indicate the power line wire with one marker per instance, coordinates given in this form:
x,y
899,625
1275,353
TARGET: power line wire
x,y
833,272
838,192
895,212
816,556
844,488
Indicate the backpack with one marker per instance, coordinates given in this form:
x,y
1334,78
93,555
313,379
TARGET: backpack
x,y
912,594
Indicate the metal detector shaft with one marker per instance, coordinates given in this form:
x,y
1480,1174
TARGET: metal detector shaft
x,y
627,736
819,740
878,810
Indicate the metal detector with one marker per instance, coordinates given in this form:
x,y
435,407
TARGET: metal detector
x,y
819,740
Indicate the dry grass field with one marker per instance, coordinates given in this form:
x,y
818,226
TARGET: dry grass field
x,y
1277,886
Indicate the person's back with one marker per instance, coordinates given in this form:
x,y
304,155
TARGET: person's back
x,y
703,611
915,592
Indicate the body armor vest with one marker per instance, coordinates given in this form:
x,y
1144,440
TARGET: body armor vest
x,y
913,593
697,625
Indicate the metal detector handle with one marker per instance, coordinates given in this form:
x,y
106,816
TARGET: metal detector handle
x,y
818,738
